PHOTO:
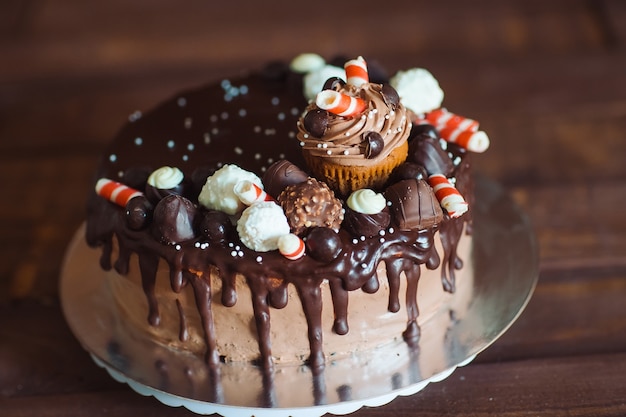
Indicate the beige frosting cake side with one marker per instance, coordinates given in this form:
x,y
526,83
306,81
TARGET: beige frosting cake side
x,y
371,325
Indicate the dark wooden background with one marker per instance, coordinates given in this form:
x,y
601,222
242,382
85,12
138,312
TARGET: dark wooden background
x,y
546,79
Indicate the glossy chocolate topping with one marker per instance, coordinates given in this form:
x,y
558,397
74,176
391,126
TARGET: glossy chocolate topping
x,y
251,121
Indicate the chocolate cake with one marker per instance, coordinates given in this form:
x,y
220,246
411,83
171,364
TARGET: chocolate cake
x,y
220,240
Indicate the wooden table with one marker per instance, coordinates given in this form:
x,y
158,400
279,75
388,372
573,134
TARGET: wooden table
x,y
547,80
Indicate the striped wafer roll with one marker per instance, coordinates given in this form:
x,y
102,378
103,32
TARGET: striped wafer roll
x,y
443,119
459,130
116,192
291,246
340,104
470,140
449,197
356,71
250,193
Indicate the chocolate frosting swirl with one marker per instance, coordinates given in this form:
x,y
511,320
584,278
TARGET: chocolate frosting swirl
x,y
343,141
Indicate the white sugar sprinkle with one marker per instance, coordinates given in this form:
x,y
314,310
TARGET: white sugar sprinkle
x,y
134,116
363,265
182,102
185,158
329,152
242,112
355,241
224,115
112,157
238,150
233,253
188,122
281,116
170,144
190,147
275,101
294,111
291,135
243,89
257,129
207,138
257,156
213,118
259,259
177,247
138,141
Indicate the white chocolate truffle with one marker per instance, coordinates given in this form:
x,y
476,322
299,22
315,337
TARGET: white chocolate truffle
x,y
166,178
261,225
366,201
218,191
419,91
307,62
314,80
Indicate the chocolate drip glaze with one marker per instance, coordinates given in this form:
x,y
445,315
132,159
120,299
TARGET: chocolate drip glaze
x,y
254,129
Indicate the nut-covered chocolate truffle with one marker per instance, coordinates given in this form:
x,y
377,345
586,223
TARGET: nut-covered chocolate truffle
x,y
173,220
413,204
310,204
281,174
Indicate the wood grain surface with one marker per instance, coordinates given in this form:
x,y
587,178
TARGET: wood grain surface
x,y
546,79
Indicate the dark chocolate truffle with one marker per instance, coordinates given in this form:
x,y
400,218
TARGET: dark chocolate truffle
x,y
426,151
215,226
174,219
281,174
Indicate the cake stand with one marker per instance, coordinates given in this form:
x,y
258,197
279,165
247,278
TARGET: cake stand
x,y
505,262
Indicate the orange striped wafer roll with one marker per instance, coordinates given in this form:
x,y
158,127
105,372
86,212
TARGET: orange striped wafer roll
x,y
291,246
443,119
116,192
340,104
356,72
468,139
250,193
449,197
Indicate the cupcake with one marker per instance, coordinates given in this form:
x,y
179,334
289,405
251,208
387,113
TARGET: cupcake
x,y
355,132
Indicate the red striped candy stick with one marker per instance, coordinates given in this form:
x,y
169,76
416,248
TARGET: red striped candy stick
x,y
472,141
340,104
291,246
459,130
443,119
449,197
356,72
116,192
250,193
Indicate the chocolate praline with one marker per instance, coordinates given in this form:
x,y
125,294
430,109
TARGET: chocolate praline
x,y
173,220
281,174
426,151
368,225
138,213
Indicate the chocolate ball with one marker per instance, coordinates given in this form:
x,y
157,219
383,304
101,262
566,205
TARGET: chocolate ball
x,y
323,244
138,213
173,220
333,83
281,174
215,226
390,96
316,122
374,144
